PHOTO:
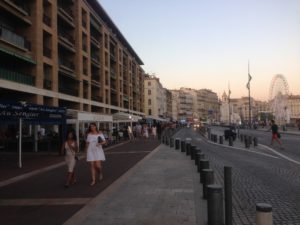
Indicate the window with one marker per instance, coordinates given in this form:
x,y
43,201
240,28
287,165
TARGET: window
x,y
149,83
149,92
149,112
149,101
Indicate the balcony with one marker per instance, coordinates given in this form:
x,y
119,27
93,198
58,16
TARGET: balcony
x,y
113,57
96,98
47,52
66,64
16,77
66,14
68,90
14,39
95,59
47,20
113,74
66,40
47,84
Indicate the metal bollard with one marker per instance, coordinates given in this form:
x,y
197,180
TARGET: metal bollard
x,y
200,157
171,142
193,152
264,214
250,140
197,152
255,142
221,140
216,139
177,143
246,142
204,164
188,148
163,139
208,179
230,141
215,213
228,195
182,143
242,137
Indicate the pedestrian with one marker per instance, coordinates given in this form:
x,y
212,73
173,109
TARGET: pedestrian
x,y
94,152
130,134
70,148
153,132
275,134
145,131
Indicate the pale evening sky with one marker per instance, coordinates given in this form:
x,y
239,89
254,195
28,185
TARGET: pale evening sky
x,y
207,43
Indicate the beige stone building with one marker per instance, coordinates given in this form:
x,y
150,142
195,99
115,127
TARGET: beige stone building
x,y
67,53
294,109
194,104
156,102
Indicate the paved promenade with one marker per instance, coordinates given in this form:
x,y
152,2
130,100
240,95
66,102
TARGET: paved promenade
x,y
161,189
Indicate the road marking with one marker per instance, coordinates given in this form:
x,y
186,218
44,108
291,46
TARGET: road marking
x,y
281,155
44,201
132,152
242,149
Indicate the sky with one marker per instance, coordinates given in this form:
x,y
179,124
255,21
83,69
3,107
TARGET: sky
x,y
208,43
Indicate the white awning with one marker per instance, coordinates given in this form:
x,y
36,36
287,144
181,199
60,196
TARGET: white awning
x,y
121,117
87,117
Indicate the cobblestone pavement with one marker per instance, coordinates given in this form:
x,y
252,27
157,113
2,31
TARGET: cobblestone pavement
x,y
256,178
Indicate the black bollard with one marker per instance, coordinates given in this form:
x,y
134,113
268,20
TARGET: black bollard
x,y
250,140
171,142
228,195
182,143
215,213
188,148
246,142
204,164
200,157
208,179
221,140
242,137
255,142
177,143
163,139
193,152
198,151
230,141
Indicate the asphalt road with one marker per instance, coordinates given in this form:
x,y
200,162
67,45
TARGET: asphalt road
x,y
257,178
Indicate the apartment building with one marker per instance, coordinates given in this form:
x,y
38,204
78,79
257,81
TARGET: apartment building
x,y
67,53
157,98
208,105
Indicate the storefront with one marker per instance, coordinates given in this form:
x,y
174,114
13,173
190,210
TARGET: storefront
x,y
26,123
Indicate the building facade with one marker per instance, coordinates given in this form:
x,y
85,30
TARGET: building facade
x,y
156,102
67,53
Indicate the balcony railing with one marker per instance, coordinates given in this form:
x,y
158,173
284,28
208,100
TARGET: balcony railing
x,y
68,91
66,63
47,20
66,36
96,98
16,77
47,84
96,78
22,5
14,38
47,52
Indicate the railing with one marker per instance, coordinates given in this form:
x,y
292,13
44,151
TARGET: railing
x,y
47,20
66,63
113,74
47,52
96,98
68,91
84,23
96,78
20,4
66,36
47,84
16,77
95,57
14,38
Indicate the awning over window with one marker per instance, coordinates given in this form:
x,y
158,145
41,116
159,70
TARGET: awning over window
x,y
19,56
121,117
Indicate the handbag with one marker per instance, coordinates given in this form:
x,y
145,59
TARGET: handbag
x,y
278,135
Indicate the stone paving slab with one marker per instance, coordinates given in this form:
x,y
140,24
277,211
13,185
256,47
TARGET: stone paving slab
x,y
162,189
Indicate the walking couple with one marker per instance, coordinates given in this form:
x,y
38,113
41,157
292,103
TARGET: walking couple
x,y
93,150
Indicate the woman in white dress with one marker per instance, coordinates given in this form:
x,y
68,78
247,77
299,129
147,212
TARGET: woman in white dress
x,y
94,152
69,148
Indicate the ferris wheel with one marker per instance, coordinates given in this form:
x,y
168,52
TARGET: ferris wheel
x,y
278,98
